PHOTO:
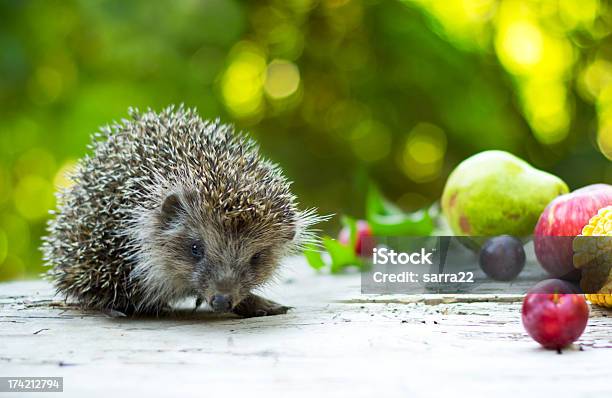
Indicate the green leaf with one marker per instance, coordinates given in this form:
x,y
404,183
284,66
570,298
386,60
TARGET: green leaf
x,y
388,220
313,257
377,204
341,255
418,223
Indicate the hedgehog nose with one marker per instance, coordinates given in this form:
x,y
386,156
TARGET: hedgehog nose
x,y
221,302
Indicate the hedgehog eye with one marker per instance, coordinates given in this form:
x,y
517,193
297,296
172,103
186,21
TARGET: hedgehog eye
x,y
256,258
196,250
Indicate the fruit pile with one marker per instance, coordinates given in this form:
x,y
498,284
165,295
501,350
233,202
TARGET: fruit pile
x,y
496,194
495,201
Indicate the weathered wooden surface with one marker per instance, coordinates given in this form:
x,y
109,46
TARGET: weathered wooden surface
x,y
335,342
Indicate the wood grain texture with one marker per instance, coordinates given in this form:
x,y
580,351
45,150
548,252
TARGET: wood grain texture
x,y
336,342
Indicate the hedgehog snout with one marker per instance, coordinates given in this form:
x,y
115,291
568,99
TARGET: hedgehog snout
x,y
221,302
222,295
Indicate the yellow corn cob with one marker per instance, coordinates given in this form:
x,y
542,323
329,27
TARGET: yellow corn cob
x,y
593,253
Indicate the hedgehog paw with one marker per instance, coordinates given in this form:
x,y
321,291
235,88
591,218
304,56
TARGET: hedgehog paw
x,y
253,306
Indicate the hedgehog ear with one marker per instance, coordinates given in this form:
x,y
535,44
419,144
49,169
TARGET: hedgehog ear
x,y
171,208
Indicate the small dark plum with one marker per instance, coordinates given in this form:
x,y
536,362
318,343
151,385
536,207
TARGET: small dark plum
x,y
502,258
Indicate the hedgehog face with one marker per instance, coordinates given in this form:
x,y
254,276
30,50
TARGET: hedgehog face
x,y
220,258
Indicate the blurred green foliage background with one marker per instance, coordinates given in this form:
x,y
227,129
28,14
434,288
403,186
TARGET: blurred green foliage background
x,y
339,92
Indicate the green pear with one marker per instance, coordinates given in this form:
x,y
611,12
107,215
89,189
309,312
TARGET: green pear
x,y
494,193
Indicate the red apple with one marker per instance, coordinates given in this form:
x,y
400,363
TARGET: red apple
x,y
555,320
364,241
561,221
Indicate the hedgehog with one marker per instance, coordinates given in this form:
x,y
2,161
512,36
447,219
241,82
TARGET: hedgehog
x,y
168,206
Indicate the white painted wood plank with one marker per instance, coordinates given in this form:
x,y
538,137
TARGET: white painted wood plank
x,y
336,342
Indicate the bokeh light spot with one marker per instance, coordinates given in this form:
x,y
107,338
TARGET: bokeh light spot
x,y
423,154
464,21
282,79
596,77
578,13
519,45
547,110
478,10
242,82
33,197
